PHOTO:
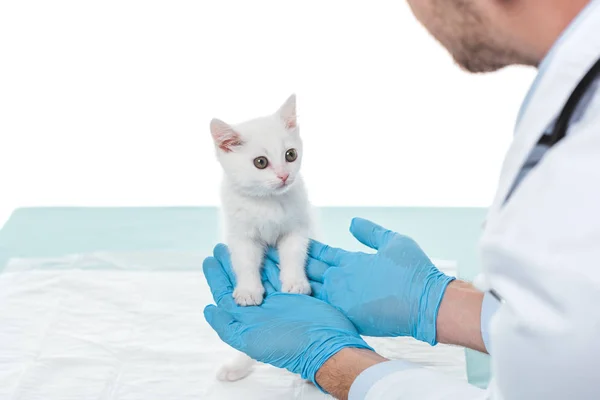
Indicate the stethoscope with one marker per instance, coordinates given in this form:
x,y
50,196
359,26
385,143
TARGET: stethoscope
x,y
559,131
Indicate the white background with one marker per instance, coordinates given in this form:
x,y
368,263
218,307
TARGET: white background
x,y
108,102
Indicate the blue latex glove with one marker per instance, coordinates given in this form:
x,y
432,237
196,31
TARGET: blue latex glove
x,y
291,331
394,292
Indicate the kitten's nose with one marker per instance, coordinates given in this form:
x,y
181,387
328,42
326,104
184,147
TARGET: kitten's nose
x,y
283,177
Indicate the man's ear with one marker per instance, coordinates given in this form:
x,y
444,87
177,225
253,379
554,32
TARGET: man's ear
x,y
287,112
224,136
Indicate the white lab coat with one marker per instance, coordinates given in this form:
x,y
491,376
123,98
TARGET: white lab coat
x,y
540,252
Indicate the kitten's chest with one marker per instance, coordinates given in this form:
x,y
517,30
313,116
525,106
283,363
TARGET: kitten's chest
x,y
267,221
272,220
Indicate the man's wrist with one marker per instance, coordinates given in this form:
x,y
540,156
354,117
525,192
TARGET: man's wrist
x,y
459,316
338,373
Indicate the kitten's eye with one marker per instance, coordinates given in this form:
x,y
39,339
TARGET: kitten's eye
x,y
261,162
291,155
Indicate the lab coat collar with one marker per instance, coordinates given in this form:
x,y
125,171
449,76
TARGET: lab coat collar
x,y
583,15
569,60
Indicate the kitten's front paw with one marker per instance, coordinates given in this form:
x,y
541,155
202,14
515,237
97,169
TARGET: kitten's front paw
x,y
249,296
297,286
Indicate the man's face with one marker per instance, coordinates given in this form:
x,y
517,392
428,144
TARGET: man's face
x,y
464,28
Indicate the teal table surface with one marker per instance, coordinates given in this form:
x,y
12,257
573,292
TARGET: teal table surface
x,y
444,233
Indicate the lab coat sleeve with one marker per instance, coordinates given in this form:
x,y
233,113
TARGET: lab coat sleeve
x,y
396,380
488,309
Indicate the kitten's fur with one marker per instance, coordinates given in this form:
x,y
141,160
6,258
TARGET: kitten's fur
x,y
260,209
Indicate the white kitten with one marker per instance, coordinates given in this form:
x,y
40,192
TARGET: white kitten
x,y
264,203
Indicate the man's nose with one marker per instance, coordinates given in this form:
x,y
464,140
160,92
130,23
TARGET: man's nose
x,y
283,176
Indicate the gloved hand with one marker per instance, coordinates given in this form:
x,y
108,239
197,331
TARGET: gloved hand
x,y
395,292
291,331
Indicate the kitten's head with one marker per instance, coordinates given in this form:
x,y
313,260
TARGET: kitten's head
x,y
261,157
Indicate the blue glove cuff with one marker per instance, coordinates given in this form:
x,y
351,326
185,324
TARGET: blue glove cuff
x,y
436,283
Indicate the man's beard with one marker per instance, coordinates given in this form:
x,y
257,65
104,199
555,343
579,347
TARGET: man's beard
x,y
468,36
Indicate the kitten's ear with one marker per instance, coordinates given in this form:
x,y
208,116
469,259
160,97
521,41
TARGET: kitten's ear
x,y
225,137
287,112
